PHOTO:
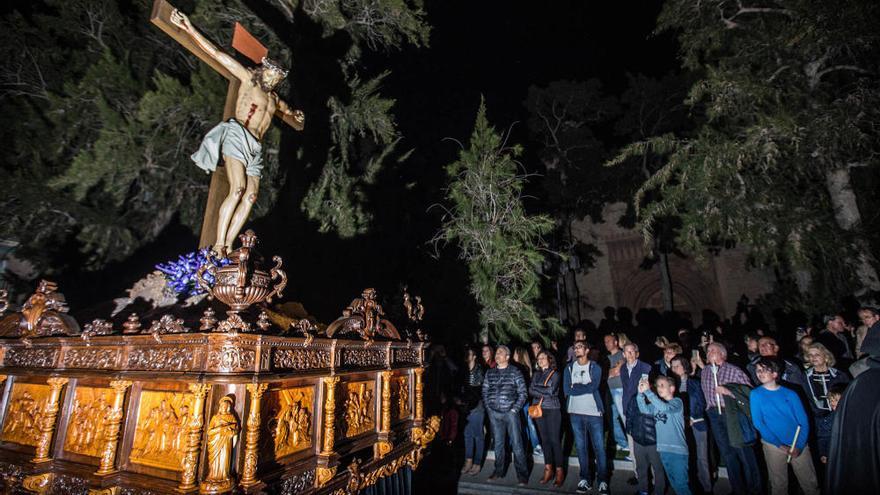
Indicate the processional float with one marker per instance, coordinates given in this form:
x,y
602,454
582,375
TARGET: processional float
x,y
223,392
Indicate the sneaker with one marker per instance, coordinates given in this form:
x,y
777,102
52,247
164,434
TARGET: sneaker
x,y
583,486
539,450
603,488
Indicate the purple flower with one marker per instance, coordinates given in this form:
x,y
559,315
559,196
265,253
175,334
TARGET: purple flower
x,y
181,274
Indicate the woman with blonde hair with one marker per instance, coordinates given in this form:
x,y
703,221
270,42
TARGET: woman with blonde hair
x,y
821,376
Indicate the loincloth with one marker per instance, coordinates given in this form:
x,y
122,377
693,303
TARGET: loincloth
x,y
230,139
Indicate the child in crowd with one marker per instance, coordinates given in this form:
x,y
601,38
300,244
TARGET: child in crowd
x,y
834,395
777,412
668,412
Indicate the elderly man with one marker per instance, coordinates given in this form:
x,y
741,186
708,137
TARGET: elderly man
x,y
504,395
791,374
742,466
834,338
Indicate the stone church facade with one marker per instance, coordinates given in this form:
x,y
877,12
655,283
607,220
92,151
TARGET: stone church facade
x,y
619,280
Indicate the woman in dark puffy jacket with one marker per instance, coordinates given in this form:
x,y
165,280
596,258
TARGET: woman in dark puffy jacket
x,y
545,390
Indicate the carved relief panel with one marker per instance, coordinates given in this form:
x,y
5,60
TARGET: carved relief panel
x,y
26,405
358,410
85,429
288,419
400,397
160,434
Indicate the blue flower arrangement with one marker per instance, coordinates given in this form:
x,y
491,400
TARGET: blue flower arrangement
x,y
181,274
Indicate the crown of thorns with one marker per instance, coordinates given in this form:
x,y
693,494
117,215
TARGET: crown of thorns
x,y
272,65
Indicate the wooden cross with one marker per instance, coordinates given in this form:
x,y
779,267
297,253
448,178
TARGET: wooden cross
x,y
247,45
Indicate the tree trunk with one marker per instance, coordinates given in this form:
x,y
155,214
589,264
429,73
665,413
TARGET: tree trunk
x,y
666,283
846,212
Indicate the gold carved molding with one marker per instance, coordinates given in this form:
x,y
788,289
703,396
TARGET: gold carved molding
x,y
330,383
112,424
39,483
384,446
252,438
193,437
46,424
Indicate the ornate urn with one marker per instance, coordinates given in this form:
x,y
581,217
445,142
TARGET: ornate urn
x,y
244,281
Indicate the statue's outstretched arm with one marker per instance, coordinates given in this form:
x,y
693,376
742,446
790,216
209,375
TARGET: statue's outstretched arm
x,y
180,20
297,118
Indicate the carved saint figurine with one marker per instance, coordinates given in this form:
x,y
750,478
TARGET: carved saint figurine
x,y
222,432
237,140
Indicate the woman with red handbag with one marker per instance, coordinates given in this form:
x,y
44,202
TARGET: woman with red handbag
x,y
547,415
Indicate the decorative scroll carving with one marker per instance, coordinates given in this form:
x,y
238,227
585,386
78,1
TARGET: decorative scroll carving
x,y
70,485
323,475
233,323
30,358
162,358
96,327
406,355
300,359
85,428
193,437
161,432
44,313
231,359
364,357
222,431
167,324
298,483
364,316
252,439
359,411
40,483
26,405
91,358
111,428
291,420
46,424
11,477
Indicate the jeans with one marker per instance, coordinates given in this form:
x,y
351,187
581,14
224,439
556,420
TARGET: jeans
x,y
777,470
742,466
474,440
676,467
530,429
550,427
507,424
701,442
646,457
617,418
584,426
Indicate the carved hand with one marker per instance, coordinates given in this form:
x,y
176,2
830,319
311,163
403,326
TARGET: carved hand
x,y
180,20
299,116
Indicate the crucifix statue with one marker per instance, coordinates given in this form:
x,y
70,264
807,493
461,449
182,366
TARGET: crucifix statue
x,y
233,144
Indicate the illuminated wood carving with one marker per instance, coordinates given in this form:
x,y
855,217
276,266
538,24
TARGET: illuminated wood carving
x,y
46,424
26,405
194,436
402,395
291,421
161,432
222,432
359,411
85,429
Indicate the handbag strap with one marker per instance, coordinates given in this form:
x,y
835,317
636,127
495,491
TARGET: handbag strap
x,y
546,381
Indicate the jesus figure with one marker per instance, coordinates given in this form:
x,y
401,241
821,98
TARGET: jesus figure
x,y
237,140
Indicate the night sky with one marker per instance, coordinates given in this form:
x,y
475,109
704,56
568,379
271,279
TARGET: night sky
x,y
497,49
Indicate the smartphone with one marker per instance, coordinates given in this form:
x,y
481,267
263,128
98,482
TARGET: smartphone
x,y
695,354
644,377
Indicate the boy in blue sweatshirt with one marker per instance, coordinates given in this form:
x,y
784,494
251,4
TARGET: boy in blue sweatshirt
x,y
668,412
777,412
